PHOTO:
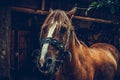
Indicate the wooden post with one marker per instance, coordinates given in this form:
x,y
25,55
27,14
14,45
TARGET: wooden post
x,y
4,43
43,5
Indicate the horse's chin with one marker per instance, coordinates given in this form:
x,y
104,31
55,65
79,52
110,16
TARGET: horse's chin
x,y
47,72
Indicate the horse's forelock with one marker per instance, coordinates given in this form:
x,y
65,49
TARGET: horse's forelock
x,y
61,18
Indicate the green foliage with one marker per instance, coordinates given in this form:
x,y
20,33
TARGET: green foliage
x,y
111,5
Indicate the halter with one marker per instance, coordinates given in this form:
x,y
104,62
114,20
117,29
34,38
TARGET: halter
x,y
54,42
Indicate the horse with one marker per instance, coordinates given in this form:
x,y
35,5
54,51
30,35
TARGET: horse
x,y
65,57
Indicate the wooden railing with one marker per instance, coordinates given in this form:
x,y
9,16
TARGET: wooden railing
x,y
42,12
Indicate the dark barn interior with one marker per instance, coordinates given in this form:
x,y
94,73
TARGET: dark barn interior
x,y
20,23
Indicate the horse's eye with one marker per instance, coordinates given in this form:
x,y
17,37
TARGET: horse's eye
x,y
63,30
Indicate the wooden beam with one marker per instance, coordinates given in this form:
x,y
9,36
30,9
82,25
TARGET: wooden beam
x,y
93,19
33,11
28,10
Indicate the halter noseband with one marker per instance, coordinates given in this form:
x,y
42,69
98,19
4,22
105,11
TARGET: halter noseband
x,y
53,42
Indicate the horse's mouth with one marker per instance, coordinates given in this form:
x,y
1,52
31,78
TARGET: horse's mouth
x,y
46,70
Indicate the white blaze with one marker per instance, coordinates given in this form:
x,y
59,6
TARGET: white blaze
x,y
45,45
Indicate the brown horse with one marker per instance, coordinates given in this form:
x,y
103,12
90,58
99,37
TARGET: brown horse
x,y
64,56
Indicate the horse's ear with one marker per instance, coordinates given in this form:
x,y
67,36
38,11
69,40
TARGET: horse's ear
x,y
51,10
71,12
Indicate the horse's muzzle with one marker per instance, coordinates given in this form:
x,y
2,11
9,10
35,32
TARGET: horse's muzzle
x,y
45,65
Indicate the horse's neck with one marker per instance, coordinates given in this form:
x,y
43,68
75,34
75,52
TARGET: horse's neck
x,y
79,53
77,49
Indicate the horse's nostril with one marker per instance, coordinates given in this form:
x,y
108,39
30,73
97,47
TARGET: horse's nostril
x,y
49,61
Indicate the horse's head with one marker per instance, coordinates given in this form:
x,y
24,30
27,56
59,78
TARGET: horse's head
x,y
55,36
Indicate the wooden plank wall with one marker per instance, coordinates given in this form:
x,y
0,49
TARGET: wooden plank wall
x,y
4,43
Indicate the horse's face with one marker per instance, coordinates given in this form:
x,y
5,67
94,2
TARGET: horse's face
x,y
55,34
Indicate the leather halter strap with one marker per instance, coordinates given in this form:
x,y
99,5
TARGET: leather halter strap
x,y
54,42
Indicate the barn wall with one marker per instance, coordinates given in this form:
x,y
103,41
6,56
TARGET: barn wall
x,y
4,43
